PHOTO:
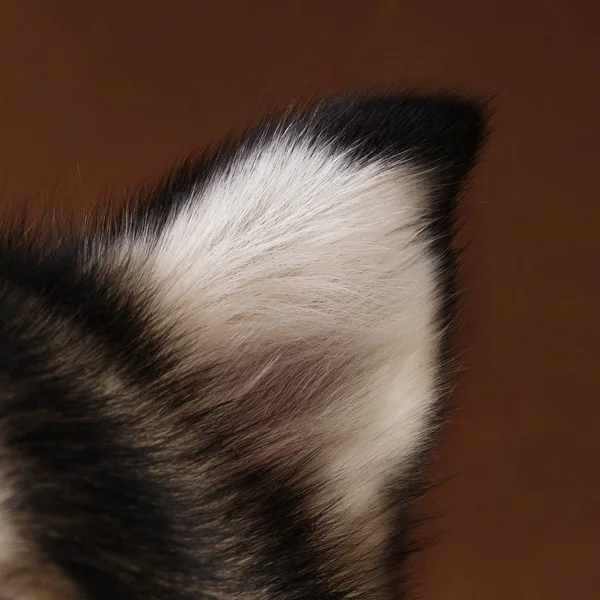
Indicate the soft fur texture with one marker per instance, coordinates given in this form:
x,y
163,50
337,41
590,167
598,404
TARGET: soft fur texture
x,y
228,393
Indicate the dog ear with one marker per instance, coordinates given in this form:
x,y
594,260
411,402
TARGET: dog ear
x,y
311,263
299,284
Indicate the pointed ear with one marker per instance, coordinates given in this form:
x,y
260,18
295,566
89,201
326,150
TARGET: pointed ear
x,y
321,242
311,261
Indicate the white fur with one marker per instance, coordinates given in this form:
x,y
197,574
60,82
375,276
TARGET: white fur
x,y
296,243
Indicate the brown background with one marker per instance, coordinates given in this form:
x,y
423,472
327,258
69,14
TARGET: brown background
x,y
97,96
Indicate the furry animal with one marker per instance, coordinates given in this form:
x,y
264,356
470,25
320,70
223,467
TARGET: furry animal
x,y
228,392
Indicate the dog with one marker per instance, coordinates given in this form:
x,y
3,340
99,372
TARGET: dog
x,y
228,390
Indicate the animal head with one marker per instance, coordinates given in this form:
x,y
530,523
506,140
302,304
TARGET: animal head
x,y
228,392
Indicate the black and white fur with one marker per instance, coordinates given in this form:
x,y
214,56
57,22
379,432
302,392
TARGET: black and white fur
x,y
227,394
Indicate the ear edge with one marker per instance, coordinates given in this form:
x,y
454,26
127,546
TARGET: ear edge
x,y
439,134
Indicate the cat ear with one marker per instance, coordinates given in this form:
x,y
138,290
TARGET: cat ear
x,y
311,262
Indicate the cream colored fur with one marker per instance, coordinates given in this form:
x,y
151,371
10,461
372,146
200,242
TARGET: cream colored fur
x,y
298,246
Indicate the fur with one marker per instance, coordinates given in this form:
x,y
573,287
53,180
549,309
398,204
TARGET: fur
x,y
229,392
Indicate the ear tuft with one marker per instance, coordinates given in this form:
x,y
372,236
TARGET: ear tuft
x,y
431,132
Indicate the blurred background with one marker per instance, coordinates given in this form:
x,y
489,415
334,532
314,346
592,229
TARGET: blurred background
x,y
97,97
